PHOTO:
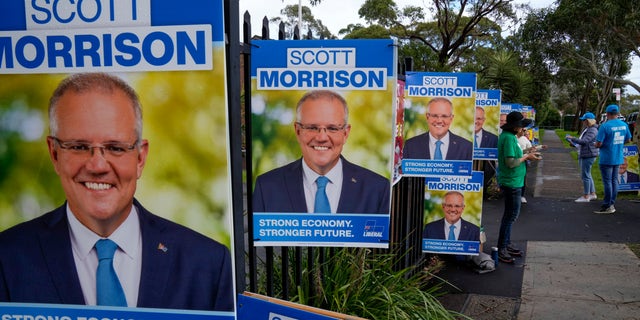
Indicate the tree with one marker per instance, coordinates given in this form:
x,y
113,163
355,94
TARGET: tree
x,y
315,26
455,29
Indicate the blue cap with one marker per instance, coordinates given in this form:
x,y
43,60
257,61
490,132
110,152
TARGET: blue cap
x,y
612,108
588,115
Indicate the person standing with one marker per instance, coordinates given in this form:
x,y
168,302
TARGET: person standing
x,y
587,154
525,145
511,172
611,137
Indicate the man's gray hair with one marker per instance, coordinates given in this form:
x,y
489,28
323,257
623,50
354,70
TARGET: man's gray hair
x,y
322,94
84,82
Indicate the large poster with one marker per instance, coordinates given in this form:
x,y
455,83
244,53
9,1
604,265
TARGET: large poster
x,y
186,176
322,142
439,124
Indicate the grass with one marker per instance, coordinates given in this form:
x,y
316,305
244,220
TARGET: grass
x,y
595,171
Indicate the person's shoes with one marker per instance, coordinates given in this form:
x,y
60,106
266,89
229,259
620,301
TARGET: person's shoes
x,y
513,251
606,210
593,197
523,199
504,256
583,199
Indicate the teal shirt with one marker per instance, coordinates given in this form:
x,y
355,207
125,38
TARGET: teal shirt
x,y
508,148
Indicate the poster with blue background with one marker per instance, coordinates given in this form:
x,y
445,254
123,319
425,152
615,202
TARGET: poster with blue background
x,y
485,140
457,202
322,108
439,124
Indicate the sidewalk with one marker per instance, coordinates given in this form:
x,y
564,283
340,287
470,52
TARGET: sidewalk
x,y
576,263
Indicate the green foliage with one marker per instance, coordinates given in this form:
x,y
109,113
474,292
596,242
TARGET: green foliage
x,y
361,283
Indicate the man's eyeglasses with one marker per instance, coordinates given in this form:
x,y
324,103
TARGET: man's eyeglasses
x,y
79,148
330,129
440,116
452,206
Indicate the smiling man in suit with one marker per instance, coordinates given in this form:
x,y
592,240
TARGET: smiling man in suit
x,y
97,150
452,226
438,143
322,128
483,138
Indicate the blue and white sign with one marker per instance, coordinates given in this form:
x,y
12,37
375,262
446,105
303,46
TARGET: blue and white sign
x,y
441,84
628,171
253,308
439,124
323,64
34,311
457,202
42,36
487,124
331,230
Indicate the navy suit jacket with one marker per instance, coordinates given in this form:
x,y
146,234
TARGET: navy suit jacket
x,y
194,272
281,190
489,140
418,148
632,177
435,230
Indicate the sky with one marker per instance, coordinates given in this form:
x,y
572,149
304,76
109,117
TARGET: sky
x,y
337,14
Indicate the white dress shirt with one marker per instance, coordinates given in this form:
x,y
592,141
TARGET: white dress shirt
x,y
447,227
443,148
127,260
333,189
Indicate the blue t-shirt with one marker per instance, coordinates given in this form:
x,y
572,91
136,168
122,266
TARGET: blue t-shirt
x,y
613,134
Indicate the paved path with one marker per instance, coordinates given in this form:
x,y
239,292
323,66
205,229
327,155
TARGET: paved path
x,y
576,263
576,280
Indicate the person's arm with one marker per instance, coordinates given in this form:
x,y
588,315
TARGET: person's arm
x,y
514,162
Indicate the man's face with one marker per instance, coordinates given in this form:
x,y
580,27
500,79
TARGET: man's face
x,y
503,119
321,150
479,119
623,167
98,185
439,118
453,205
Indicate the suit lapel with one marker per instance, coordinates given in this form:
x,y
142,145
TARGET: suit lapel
x,y
156,252
350,187
295,189
58,256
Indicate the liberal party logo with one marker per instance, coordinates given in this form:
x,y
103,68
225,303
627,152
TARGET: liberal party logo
x,y
371,230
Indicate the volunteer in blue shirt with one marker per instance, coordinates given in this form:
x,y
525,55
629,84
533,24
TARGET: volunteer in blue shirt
x,y
612,136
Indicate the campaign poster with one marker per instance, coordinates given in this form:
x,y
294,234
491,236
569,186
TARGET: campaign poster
x,y
628,171
486,129
322,142
173,54
453,214
439,124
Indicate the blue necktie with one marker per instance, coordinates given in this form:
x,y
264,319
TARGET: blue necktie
x,y
321,204
452,234
622,179
438,155
475,142
109,290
